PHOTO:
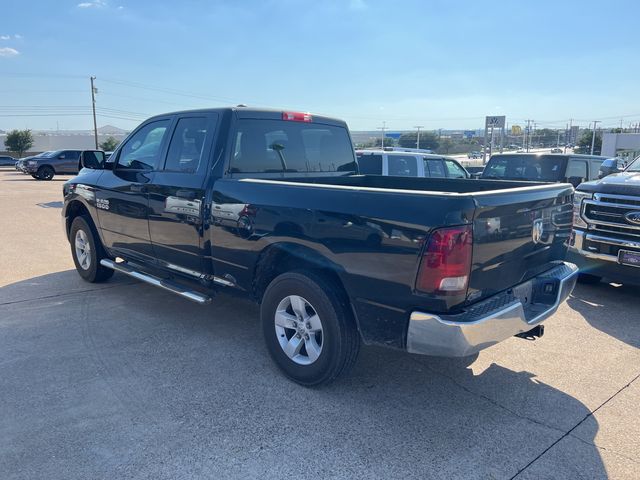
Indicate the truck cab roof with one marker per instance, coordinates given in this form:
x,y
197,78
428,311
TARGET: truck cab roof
x,y
259,113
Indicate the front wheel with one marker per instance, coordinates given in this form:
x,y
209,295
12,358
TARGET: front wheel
x,y
45,173
87,252
308,328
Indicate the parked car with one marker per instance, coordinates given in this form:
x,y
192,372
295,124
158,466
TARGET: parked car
x,y
21,163
538,167
382,162
556,150
45,166
474,154
271,205
606,238
7,161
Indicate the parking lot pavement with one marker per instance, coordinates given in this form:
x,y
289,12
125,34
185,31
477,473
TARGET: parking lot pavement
x,y
121,380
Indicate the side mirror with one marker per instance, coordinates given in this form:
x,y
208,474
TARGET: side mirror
x,y
575,181
604,171
93,159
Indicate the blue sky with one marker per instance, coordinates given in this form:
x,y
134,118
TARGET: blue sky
x,y
440,64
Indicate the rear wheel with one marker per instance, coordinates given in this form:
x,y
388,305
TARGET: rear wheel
x,y
308,328
589,279
87,252
45,173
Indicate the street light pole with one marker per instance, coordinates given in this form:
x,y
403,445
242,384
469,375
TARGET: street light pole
x,y
418,127
593,137
93,105
383,128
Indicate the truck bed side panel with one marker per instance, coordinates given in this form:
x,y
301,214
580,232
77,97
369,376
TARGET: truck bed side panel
x,y
373,238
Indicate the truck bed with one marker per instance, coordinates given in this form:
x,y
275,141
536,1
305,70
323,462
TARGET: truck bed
x,y
505,252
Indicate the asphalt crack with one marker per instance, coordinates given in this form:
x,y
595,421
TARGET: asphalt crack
x,y
488,399
590,414
66,294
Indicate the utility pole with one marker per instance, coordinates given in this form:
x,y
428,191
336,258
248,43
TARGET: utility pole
x,y
527,135
383,128
418,127
94,90
593,137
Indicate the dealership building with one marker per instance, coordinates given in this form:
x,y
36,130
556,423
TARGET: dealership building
x,y
622,145
45,140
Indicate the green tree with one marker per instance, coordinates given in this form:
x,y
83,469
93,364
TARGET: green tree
x,y
428,140
109,145
19,141
584,144
377,142
445,145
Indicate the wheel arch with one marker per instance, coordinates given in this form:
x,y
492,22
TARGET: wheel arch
x,y
45,165
282,257
76,208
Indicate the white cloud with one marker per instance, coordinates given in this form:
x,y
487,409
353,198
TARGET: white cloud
x,y
95,3
8,52
5,37
17,36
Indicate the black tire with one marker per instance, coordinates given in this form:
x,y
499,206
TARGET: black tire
x,y
588,279
90,271
340,340
45,172
35,176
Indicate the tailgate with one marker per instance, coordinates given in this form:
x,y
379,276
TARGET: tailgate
x,y
517,234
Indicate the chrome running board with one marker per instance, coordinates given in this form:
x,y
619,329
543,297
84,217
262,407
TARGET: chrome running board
x,y
173,287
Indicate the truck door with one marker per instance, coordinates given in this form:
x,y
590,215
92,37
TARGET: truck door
x,y
176,194
122,196
67,162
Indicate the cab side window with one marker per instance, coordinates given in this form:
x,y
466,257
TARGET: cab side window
x,y
402,165
370,164
186,149
72,154
454,170
577,168
142,150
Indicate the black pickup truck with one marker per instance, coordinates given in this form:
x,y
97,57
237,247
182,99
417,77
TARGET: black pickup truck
x,y
606,238
270,204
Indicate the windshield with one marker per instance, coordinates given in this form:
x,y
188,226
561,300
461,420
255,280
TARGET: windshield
x,y
50,154
543,168
635,166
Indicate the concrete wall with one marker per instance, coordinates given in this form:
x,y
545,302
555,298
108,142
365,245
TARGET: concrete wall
x,y
61,141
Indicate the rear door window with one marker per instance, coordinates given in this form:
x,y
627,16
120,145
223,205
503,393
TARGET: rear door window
x,y
434,167
402,165
273,146
370,164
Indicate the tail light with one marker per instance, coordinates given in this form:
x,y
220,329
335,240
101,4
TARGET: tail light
x,y
297,117
446,261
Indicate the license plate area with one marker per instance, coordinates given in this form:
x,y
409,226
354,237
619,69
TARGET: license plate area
x,y
627,257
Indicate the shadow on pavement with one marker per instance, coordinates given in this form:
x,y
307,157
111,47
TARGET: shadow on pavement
x,y
125,380
621,318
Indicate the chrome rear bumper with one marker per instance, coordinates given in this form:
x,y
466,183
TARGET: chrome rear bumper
x,y
494,319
